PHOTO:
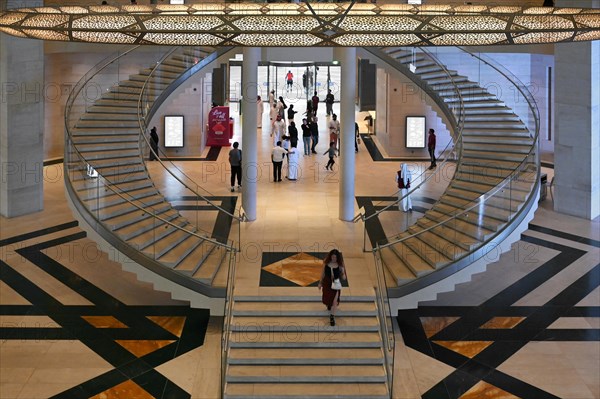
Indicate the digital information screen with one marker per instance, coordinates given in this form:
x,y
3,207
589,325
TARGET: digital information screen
x,y
415,132
177,2
174,131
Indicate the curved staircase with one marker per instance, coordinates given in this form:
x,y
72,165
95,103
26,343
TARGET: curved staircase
x,y
110,184
495,182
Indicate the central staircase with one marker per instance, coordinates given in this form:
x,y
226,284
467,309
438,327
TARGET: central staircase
x,y
284,347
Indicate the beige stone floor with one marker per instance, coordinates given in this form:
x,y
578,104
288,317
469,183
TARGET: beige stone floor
x,y
292,216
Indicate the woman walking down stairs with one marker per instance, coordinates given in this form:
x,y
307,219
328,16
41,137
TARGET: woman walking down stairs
x,y
284,347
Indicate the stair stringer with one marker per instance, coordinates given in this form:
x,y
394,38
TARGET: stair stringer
x,y
489,254
216,306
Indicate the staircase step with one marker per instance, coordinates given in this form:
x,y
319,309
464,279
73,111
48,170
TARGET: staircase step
x,y
303,391
112,198
399,270
108,116
127,207
298,298
444,245
156,232
191,263
302,306
306,356
411,258
177,254
163,245
484,220
429,254
451,233
492,155
149,223
135,217
109,109
462,225
207,272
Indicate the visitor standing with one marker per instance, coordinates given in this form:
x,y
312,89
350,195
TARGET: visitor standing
x,y
259,112
334,130
329,99
153,144
431,148
278,129
404,178
306,136
293,163
277,155
235,161
314,134
315,103
293,134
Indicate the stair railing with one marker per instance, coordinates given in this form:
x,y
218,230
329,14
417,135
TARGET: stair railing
x,y
228,315
89,196
502,202
386,323
148,105
455,115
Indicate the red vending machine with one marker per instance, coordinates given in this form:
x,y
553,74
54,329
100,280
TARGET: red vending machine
x,y
220,128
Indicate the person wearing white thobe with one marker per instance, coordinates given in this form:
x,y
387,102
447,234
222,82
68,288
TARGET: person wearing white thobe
x,y
278,130
272,116
259,112
404,180
293,164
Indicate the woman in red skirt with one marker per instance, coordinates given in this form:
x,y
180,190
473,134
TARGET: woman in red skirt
x,y
333,268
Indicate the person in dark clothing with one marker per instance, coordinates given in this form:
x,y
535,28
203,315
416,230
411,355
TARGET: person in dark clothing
x,y
235,161
306,136
356,136
153,144
293,134
315,103
329,99
314,134
290,113
431,148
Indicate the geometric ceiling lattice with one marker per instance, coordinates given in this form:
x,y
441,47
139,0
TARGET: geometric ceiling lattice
x,y
295,24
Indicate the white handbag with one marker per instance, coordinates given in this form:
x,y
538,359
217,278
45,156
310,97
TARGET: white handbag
x,y
336,284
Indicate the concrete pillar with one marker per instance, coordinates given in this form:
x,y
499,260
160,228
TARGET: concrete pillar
x,y
347,58
21,122
577,124
250,170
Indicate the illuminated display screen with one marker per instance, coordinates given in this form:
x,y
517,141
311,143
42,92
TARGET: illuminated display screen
x,y
174,131
415,132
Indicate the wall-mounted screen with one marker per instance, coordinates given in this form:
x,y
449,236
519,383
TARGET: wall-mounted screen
x,y
177,2
415,132
174,131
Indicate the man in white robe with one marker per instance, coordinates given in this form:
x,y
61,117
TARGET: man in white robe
x,y
404,180
278,130
293,164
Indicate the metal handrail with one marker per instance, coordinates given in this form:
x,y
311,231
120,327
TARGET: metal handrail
x,y
228,314
143,124
389,342
459,126
69,139
490,194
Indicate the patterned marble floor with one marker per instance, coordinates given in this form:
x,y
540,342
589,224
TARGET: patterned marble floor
x,y
528,327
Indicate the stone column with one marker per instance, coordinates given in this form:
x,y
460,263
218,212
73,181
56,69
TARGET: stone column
x,y
21,122
347,58
577,124
250,171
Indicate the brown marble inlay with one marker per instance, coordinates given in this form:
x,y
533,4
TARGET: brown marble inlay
x,y
469,349
483,390
173,324
433,325
104,322
125,390
503,322
142,347
302,269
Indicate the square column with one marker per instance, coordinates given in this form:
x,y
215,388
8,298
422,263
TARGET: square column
x,y
577,125
21,123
